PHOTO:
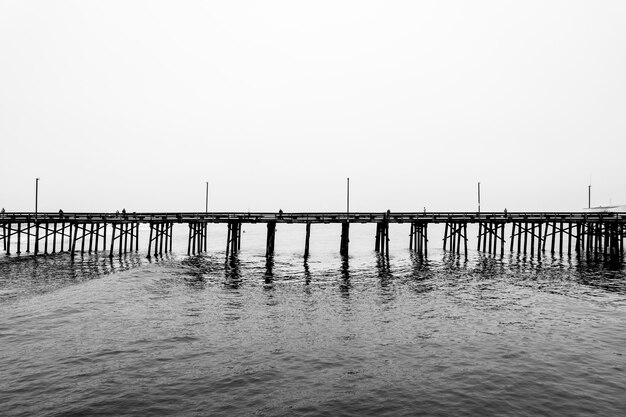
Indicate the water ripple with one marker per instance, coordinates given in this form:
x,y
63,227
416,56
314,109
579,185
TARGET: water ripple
x,y
362,335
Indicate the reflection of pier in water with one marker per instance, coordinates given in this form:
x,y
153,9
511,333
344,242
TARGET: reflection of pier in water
x,y
44,274
531,233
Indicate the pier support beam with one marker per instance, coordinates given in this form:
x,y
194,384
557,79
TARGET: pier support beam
x,y
7,244
197,241
613,237
307,239
271,238
418,238
233,238
382,237
491,234
124,232
533,231
36,236
19,238
345,238
161,235
456,236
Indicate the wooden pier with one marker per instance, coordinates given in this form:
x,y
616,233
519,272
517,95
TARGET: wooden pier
x,y
529,233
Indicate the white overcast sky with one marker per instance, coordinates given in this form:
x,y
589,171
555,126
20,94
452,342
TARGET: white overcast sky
x,y
136,104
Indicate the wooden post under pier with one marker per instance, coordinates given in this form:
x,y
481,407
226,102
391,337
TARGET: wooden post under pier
x,y
36,236
539,240
238,237
418,238
489,234
120,239
194,226
161,237
8,240
150,239
189,241
159,232
171,235
271,238
233,238
345,238
382,237
307,239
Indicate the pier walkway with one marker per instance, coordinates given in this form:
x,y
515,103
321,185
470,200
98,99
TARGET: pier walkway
x,y
528,232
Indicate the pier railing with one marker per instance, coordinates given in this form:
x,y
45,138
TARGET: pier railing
x,y
311,217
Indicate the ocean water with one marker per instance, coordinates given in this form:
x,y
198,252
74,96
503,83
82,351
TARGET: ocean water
x,y
363,335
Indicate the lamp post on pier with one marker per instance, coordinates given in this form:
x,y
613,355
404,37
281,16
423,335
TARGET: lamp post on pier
x,y
348,198
36,196
345,226
36,210
479,196
206,207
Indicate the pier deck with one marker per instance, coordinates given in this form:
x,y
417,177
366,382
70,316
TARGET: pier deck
x,y
591,232
311,217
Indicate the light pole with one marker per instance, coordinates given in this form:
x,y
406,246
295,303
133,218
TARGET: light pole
x,y
206,207
36,196
348,198
36,209
479,196
589,188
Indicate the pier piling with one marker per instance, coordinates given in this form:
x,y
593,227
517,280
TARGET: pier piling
x,y
345,238
307,239
271,238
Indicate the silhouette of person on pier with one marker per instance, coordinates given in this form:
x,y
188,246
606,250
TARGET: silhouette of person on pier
x,y
280,213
